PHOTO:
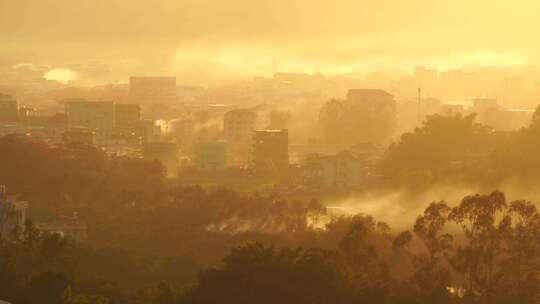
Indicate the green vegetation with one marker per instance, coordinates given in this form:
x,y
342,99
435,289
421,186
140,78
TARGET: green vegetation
x,y
484,250
457,150
153,241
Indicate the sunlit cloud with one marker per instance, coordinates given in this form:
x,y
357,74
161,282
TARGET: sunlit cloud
x,y
24,65
61,75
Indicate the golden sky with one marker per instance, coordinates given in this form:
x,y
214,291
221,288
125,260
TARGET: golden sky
x,y
208,37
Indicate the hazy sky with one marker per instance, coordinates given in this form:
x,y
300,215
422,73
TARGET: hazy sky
x,y
221,37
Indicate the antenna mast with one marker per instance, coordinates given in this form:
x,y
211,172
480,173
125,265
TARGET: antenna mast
x,y
419,116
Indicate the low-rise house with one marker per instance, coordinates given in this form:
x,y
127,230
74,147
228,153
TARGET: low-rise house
x,y
340,171
67,226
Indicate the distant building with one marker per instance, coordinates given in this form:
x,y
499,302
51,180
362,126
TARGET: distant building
x,y
271,151
152,130
452,109
211,155
430,106
183,128
9,108
67,226
96,115
52,128
79,135
377,99
127,122
425,76
341,171
26,113
164,152
12,215
513,119
483,104
489,112
216,109
239,126
238,130
127,116
190,94
58,119
147,90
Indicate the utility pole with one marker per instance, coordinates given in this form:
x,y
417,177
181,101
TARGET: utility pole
x,y
418,110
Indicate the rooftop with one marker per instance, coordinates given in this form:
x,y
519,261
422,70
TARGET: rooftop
x,y
368,92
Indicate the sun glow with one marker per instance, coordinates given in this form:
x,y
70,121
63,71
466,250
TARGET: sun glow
x,y
61,75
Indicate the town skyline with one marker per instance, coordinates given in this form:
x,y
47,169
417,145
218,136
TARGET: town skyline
x,y
202,39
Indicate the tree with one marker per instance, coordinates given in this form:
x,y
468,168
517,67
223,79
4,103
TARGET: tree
x,y
431,276
521,263
361,252
330,117
535,121
429,228
518,154
401,241
258,274
48,287
351,121
484,223
443,148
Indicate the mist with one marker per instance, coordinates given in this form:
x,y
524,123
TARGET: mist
x,y
204,41
269,151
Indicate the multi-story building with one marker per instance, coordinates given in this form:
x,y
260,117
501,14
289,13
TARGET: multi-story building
x,y
148,90
425,77
9,108
27,113
211,155
127,115
485,104
79,135
238,129
12,215
127,119
271,152
239,126
152,130
96,115
341,171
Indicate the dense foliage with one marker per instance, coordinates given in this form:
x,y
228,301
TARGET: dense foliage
x,y
484,250
148,238
348,122
456,149
493,257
